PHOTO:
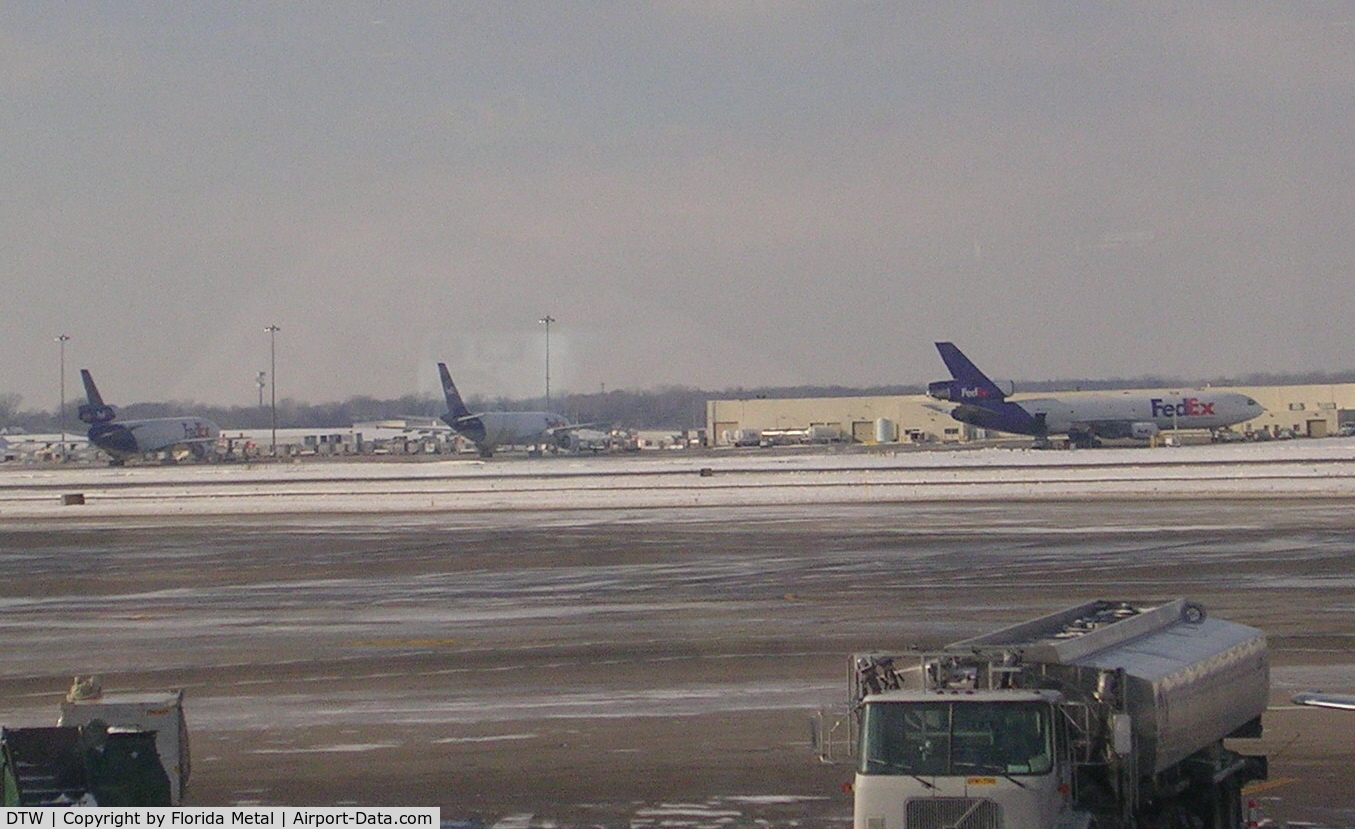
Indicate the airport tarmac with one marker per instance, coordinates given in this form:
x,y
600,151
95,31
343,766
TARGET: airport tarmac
x,y
607,658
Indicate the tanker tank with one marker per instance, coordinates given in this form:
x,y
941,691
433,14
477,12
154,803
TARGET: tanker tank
x,y
1188,680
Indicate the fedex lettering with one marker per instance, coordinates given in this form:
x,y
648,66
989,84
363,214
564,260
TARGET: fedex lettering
x,y
972,391
1188,407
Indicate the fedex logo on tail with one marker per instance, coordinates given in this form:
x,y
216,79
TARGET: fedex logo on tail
x,y
1188,407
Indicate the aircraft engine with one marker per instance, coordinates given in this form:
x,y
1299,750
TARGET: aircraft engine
x,y
945,390
99,413
1143,431
567,441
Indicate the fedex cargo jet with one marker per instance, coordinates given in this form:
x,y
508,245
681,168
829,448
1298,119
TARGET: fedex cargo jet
x,y
1085,417
489,430
125,439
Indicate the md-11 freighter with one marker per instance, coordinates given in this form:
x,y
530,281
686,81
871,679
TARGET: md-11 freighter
x,y
1086,417
126,439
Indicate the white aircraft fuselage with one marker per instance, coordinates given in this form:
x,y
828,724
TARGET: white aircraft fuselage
x,y
513,428
1123,414
130,438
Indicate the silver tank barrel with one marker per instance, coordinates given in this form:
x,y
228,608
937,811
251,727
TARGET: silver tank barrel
x,y
1190,680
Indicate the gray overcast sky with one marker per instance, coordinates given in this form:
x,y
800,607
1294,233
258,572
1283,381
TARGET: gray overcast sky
x,y
711,194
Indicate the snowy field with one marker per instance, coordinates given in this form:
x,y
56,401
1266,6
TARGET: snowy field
x,y
1300,468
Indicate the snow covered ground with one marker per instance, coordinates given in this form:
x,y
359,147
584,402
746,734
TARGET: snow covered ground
x,y
1299,468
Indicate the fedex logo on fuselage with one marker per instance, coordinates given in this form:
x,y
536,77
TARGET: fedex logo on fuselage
x,y
1188,407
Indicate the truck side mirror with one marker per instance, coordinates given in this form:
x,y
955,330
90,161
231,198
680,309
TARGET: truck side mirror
x,y
827,736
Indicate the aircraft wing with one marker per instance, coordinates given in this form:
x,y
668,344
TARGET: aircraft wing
x,y
574,427
421,425
1345,702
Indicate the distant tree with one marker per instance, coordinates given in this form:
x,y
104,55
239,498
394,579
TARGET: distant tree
x,y
9,406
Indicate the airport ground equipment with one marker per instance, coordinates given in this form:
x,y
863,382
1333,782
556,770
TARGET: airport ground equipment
x,y
90,765
158,712
1108,714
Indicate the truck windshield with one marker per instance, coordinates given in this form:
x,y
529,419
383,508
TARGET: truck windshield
x,y
956,738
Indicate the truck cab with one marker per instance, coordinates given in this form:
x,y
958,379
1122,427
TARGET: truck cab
x,y
1108,712
931,759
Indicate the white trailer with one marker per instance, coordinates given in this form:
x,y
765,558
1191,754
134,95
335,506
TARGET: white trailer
x,y
159,712
1106,714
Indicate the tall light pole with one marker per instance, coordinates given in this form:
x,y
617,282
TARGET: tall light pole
x,y
273,380
546,321
61,413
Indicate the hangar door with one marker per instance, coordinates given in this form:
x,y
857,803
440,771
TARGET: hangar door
x,y
863,431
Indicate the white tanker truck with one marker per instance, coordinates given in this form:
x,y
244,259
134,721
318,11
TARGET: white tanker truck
x,y
1107,715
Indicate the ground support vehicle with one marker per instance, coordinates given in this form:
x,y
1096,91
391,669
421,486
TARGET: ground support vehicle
x,y
160,713
1107,714
91,765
